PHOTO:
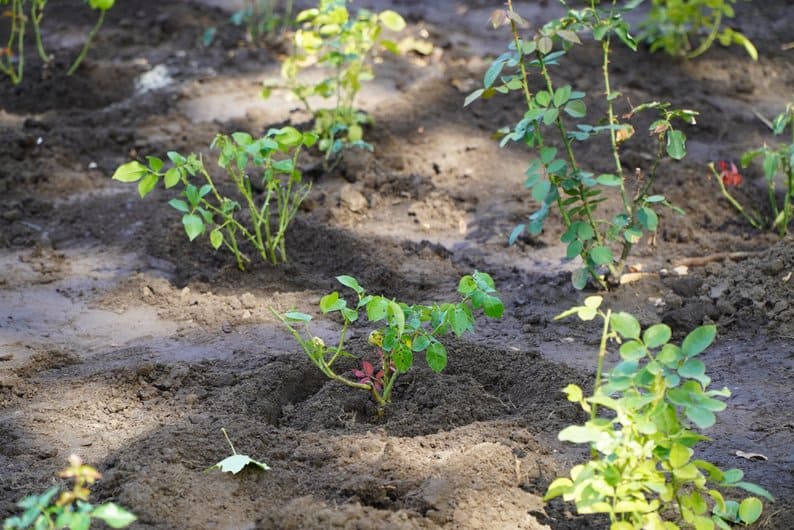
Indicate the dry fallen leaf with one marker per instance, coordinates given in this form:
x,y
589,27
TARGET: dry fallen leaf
x,y
751,456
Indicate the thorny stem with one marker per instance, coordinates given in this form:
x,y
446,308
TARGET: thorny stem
x,y
528,98
580,189
88,42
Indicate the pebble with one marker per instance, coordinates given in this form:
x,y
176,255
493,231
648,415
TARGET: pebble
x,y
352,198
248,300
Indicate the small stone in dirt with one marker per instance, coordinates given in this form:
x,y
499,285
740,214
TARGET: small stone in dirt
x,y
686,286
352,198
191,399
226,327
248,300
773,267
716,291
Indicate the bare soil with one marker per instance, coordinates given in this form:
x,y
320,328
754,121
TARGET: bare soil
x,y
126,344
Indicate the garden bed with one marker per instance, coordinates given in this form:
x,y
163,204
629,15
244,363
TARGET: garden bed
x,y
124,343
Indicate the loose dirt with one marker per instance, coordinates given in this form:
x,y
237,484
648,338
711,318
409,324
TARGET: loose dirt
x,y
124,343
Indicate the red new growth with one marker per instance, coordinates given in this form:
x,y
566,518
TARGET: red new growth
x,y
730,174
368,375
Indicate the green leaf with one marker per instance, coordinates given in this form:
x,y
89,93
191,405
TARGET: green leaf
x,y
420,343
113,515
562,95
297,316
680,455
172,177
543,98
403,358
754,488
156,164
558,487
608,179
467,285
130,172
331,302
473,97
194,225
397,317
657,335
102,5
632,350
732,476
601,255
377,309
579,278
574,393
698,340
514,235
580,434
771,163
626,325
647,218
392,20
750,510
576,108
180,205
701,417
147,184
692,369
493,72
352,283
676,144
216,238
493,307
436,356
235,463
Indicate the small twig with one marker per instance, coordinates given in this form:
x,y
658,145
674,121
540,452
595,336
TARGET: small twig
x,y
700,261
763,119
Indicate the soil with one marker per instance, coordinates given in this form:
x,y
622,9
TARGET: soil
x,y
124,343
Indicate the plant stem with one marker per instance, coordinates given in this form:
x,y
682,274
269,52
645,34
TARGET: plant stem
x,y
36,14
88,42
754,222
706,44
228,440
602,352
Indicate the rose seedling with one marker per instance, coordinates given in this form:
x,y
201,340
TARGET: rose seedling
x,y
343,47
777,163
643,473
556,177
71,508
688,28
21,12
206,210
406,331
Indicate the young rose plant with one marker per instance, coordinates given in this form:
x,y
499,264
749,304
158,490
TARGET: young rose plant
x,y
778,165
688,28
343,47
643,472
556,177
71,509
21,12
271,198
406,330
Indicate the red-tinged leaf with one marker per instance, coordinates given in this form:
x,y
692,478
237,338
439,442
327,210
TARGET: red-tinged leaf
x,y
368,368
